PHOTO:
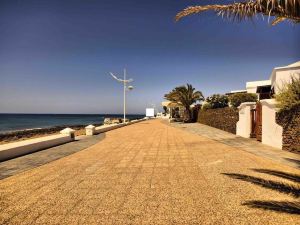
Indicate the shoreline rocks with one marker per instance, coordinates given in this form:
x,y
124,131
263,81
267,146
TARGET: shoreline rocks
x,y
40,132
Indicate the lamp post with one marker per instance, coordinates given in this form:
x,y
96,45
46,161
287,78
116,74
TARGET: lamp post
x,y
129,88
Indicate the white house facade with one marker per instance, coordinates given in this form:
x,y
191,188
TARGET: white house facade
x,y
259,119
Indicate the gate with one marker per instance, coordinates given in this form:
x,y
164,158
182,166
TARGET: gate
x,y
253,123
256,122
258,127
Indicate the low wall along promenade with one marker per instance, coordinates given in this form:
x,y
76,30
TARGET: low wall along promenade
x,y
16,149
92,130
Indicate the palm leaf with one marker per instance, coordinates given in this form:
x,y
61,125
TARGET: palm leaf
x,y
280,9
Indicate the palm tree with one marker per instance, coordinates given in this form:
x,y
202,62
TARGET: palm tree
x,y
185,96
280,9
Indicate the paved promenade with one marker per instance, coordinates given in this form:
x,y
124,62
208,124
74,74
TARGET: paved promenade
x,y
20,164
152,173
245,144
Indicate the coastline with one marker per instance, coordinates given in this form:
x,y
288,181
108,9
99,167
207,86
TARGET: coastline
x,y
19,127
20,135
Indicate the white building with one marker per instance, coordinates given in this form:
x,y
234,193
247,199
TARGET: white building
x,y
252,86
265,89
260,87
283,75
259,119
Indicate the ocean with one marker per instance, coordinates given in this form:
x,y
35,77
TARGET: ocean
x,y
17,122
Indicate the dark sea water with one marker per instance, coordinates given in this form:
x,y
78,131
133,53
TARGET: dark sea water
x,y
15,122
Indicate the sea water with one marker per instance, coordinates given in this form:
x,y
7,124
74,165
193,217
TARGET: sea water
x,y
16,122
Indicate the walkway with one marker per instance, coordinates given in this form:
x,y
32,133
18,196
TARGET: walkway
x,y
14,166
246,144
151,173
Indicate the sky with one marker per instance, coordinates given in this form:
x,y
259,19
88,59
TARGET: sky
x,y
56,55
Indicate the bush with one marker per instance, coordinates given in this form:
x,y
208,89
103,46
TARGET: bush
x,y
217,101
289,96
206,106
238,98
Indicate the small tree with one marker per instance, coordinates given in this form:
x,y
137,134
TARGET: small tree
x,y
206,106
289,96
217,101
238,98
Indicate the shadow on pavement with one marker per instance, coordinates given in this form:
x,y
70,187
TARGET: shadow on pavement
x,y
292,207
274,185
294,161
279,206
289,176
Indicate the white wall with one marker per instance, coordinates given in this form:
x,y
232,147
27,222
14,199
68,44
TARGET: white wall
x,y
105,128
243,126
251,86
281,77
150,112
271,131
251,90
12,150
108,127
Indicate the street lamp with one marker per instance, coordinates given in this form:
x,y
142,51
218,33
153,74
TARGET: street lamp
x,y
129,88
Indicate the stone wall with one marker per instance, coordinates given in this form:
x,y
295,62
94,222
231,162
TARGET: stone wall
x,y
290,121
222,118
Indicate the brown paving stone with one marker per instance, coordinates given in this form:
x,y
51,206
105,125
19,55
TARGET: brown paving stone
x,y
246,144
147,173
36,159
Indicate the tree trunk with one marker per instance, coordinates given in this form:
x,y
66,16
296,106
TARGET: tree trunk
x,y
188,116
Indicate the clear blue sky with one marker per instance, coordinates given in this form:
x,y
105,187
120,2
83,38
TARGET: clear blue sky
x,y
55,55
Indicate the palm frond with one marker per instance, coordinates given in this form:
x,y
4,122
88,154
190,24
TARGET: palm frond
x,y
277,20
184,95
280,9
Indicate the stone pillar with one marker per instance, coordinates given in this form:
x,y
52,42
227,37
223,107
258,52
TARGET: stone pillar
x,y
90,130
243,126
271,131
69,132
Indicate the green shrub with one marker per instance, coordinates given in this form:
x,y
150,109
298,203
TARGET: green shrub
x,y
238,98
289,96
217,101
206,106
